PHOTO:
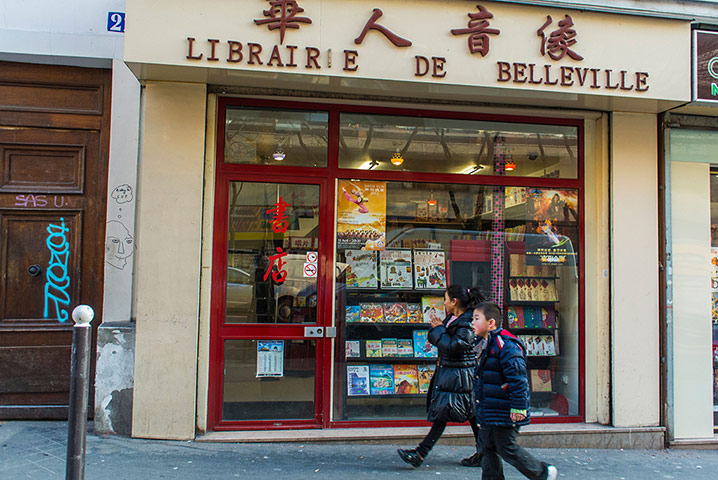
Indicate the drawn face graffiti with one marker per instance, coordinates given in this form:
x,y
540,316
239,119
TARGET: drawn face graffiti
x,y
119,245
122,194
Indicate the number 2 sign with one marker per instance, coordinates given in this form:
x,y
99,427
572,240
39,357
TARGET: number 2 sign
x,y
116,22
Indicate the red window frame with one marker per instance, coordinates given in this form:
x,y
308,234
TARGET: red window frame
x,y
326,178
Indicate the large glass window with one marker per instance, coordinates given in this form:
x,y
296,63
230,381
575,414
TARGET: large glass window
x,y
402,243
275,137
714,286
272,228
466,147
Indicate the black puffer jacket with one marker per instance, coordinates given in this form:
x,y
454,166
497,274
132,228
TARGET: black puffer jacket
x,y
452,393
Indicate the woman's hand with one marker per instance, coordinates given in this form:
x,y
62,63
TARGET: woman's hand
x,y
434,319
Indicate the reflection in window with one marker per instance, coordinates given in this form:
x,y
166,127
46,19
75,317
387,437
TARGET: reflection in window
x,y
468,147
267,252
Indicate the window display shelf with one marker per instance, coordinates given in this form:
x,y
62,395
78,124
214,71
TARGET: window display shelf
x,y
391,359
533,303
391,395
422,326
530,277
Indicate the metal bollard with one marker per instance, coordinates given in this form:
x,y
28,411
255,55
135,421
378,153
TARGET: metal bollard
x,y
79,392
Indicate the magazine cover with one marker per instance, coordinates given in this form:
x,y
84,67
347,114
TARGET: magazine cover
x,y
361,269
353,313
395,313
549,346
372,312
413,313
548,317
515,317
425,373
429,269
432,306
373,348
532,317
406,379
541,380
357,380
405,347
389,347
381,379
422,347
395,269
352,348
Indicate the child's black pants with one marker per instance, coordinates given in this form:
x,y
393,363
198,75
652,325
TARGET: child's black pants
x,y
500,442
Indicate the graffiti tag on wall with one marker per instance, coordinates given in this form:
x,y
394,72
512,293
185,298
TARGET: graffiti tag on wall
x,y
57,281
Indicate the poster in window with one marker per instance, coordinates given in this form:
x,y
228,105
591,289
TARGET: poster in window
x,y
361,269
395,269
270,358
429,269
555,216
361,215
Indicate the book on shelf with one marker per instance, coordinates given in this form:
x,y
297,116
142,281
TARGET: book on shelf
x,y
395,269
516,264
352,348
539,345
361,269
422,347
372,348
536,293
372,312
357,380
353,313
405,347
541,380
381,379
425,373
389,347
515,317
406,379
395,312
413,313
429,269
432,306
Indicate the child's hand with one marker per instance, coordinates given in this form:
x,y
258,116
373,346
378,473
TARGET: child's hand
x,y
517,417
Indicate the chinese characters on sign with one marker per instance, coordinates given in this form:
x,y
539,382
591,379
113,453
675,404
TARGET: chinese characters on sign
x,y
283,15
556,43
560,40
478,28
279,225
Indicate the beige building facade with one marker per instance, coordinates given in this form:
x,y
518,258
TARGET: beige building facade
x,y
502,62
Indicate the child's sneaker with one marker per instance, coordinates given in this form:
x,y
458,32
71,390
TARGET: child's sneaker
x,y
552,473
412,457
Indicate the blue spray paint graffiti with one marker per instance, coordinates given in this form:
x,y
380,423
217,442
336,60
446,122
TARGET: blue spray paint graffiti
x,y
58,281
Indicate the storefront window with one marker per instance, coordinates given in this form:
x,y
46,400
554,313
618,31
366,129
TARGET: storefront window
x,y
272,230
275,137
464,147
402,243
714,286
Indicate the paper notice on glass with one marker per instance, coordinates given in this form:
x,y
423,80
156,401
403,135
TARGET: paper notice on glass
x,y
270,358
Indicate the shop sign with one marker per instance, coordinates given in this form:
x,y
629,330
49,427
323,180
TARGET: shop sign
x,y
270,358
484,44
279,223
705,66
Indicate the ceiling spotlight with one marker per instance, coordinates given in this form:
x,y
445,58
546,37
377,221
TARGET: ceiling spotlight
x,y
510,166
278,155
396,158
431,201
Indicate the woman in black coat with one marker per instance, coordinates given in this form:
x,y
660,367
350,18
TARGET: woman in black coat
x,y
451,393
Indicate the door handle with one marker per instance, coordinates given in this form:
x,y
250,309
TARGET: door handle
x,y
34,270
313,332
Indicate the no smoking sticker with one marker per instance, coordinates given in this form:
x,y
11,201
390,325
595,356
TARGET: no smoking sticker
x,y
310,270
312,257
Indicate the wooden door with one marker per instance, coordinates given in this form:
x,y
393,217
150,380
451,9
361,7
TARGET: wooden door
x,y
54,141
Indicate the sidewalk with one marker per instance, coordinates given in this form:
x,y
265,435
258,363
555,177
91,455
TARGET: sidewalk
x,y
36,450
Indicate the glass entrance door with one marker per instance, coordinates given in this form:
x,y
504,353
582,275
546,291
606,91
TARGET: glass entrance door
x,y
271,330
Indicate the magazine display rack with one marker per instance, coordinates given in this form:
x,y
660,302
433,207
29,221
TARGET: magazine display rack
x,y
386,307
531,313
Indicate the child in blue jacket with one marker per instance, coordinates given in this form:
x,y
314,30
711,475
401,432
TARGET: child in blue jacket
x,y
502,395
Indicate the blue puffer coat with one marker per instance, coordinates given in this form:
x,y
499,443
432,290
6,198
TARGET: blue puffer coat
x,y
452,392
501,382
